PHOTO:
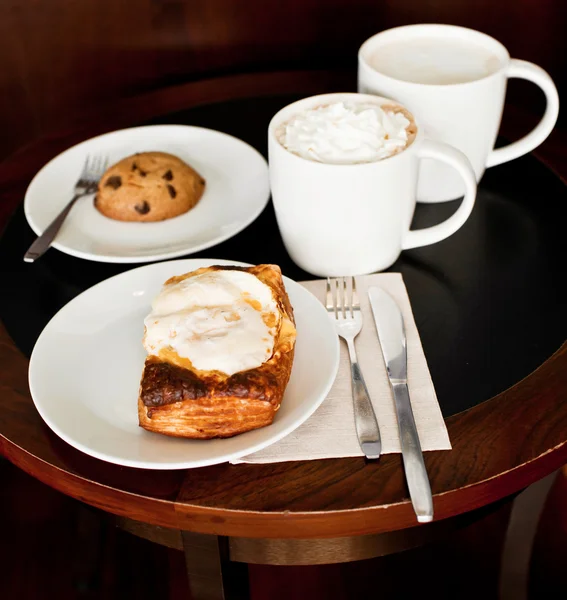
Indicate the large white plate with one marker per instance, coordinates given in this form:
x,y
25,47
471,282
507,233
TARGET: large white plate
x,y
237,191
86,366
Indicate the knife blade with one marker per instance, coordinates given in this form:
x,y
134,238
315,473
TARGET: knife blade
x,y
392,336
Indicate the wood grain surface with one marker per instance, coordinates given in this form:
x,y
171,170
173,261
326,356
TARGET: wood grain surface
x,y
500,446
62,57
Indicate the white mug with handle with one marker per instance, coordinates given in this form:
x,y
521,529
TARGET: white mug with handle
x,y
455,80
350,219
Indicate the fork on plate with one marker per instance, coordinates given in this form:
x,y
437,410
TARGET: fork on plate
x,y
343,307
87,183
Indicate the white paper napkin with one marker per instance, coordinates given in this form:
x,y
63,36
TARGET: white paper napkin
x,y
330,431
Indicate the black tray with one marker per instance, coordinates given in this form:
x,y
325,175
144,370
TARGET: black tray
x,y
488,301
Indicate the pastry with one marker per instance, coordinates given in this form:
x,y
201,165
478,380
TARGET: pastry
x,y
220,343
150,186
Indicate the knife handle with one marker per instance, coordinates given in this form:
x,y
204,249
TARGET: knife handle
x,y
364,417
416,474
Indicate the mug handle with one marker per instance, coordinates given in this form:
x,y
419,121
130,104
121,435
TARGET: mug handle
x,y
526,70
456,159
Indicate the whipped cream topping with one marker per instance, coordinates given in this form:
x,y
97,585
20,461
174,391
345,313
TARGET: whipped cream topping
x,y
220,320
346,133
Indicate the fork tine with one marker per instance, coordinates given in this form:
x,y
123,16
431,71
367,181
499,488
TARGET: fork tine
x,y
355,301
337,294
329,300
348,291
89,166
86,165
342,293
334,292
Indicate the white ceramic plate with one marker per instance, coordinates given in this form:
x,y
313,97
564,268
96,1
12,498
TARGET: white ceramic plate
x,y
237,191
87,363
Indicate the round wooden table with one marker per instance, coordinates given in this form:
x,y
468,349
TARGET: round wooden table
x,y
496,352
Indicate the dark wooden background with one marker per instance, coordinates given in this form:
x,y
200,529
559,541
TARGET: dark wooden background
x,y
60,59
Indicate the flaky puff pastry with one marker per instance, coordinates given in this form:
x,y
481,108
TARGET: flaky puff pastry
x,y
176,399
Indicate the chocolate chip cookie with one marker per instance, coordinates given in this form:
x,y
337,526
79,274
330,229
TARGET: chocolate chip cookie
x,y
150,186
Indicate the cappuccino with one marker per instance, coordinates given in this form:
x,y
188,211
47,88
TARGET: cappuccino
x,y
343,177
434,61
348,132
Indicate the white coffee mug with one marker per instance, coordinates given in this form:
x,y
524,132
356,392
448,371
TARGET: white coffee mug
x,y
466,114
350,219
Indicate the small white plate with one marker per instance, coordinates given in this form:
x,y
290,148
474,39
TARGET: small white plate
x,y
86,366
236,192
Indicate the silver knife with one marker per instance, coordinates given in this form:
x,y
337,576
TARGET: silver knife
x,y
392,336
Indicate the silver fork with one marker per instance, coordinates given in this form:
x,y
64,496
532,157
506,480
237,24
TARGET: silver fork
x,y
93,170
344,308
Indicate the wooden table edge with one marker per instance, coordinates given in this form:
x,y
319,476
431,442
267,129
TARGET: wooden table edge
x,y
282,524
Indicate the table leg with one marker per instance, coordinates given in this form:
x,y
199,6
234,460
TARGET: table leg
x,y
522,529
211,574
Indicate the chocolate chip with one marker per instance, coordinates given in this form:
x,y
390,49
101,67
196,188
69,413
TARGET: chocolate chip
x,y
168,175
202,181
172,191
143,208
114,181
135,167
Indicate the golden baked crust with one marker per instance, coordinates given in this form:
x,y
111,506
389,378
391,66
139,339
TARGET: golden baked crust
x,y
149,186
178,400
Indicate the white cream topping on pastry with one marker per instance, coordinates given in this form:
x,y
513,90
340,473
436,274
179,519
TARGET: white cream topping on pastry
x,y
220,320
